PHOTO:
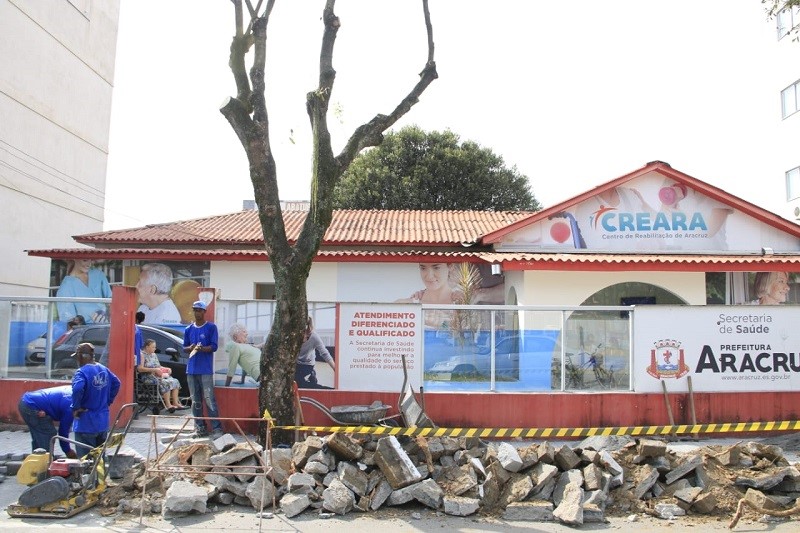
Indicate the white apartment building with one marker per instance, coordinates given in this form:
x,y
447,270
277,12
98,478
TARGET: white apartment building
x,y
56,79
787,149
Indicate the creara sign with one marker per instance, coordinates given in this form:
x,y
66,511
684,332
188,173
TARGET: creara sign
x,y
723,348
612,220
649,213
643,217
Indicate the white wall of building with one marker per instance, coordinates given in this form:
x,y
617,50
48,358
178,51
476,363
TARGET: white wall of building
x,y
57,63
388,282
786,153
236,280
544,287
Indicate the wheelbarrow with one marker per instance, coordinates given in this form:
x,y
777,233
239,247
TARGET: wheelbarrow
x,y
355,415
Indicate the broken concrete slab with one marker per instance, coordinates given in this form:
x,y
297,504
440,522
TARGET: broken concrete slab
x,y
508,457
570,510
532,511
345,447
566,458
352,477
294,504
185,497
459,505
649,476
338,498
395,464
651,448
683,469
705,503
235,454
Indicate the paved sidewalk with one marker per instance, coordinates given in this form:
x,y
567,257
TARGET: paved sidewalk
x,y
139,440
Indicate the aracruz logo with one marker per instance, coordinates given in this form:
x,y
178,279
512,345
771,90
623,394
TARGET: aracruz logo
x,y
667,360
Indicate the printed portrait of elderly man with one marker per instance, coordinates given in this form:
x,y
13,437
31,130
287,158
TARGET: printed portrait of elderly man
x,y
153,289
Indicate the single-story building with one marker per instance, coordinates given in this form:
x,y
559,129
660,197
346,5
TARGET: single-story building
x,y
653,274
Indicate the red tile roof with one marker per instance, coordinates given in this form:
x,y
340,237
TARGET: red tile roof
x,y
348,227
412,236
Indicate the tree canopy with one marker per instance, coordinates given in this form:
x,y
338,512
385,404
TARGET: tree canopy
x,y
415,169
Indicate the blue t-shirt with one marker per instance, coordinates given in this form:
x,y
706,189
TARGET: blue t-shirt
x,y
56,403
205,335
94,388
138,344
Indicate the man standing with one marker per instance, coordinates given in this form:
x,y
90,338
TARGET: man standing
x,y
94,388
40,408
138,340
200,342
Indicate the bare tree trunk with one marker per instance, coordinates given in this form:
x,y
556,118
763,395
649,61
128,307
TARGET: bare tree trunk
x,y
291,263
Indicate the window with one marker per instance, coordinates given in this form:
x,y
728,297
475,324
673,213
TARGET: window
x,y
787,19
793,184
264,291
790,100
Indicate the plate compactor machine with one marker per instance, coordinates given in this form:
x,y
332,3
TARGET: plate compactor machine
x,y
61,488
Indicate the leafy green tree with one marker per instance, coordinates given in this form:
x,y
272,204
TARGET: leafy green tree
x,y
414,169
248,116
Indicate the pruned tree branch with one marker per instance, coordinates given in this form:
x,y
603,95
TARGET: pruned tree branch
x,y
257,73
370,134
240,44
247,114
324,173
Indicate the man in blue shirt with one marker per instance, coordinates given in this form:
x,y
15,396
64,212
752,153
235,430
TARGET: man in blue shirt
x,y
40,408
200,342
138,340
94,388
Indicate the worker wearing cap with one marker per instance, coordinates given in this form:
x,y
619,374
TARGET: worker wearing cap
x,y
94,388
200,342
40,408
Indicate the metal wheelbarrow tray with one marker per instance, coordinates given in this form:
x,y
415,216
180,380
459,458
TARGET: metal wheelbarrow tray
x,y
352,414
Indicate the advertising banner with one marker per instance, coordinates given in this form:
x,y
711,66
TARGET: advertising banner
x,y
723,348
371,342
648,214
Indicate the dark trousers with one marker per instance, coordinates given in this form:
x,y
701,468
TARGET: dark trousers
x,y
306,377
41,428
89,441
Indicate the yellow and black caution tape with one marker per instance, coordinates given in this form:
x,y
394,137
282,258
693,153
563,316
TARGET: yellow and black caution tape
x,y
557,433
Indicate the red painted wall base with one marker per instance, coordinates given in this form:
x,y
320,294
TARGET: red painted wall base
x,y
486,410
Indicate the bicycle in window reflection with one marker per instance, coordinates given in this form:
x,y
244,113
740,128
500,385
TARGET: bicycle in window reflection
x,y
577,376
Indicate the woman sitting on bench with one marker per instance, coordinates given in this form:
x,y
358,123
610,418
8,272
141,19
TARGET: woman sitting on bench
x,y
151,371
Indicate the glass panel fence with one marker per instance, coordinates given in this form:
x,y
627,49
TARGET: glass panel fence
x,y
37,345
526,350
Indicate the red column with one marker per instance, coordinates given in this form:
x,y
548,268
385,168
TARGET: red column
x,y
120,345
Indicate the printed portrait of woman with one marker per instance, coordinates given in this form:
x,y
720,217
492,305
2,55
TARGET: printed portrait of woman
x,y
83,281
770,288
436,278
440,281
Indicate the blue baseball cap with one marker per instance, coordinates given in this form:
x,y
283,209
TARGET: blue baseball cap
x,y
199,304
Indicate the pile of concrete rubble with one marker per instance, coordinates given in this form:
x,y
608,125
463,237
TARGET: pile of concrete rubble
x,y
572,484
